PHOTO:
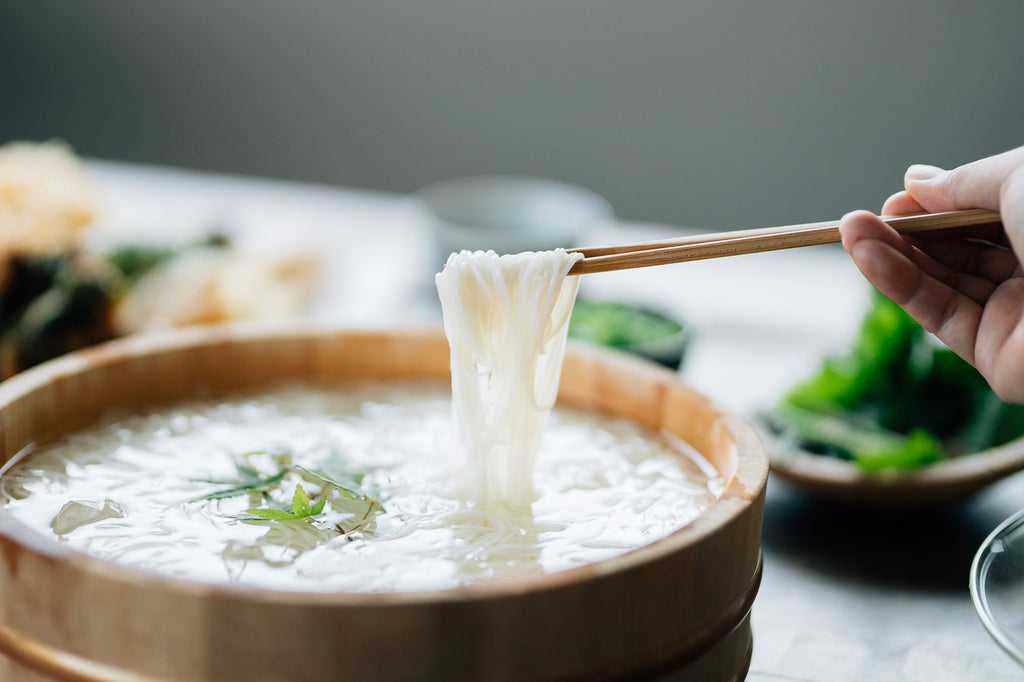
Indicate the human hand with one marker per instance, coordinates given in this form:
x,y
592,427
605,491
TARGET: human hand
x,y
966,286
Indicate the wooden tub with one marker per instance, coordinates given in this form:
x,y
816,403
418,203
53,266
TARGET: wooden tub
x,y
677,609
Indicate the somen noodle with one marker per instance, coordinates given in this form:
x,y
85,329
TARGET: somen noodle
x,y
506,318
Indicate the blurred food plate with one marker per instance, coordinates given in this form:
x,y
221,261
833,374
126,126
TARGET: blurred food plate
x,y
64,286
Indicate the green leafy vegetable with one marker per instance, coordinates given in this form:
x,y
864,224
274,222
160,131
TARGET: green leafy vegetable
x,y
629,328
618,324
896,400
872,447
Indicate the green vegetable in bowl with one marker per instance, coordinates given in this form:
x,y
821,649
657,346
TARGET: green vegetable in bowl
x,y
629,328
896,400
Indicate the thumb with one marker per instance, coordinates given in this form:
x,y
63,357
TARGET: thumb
x,y
974,185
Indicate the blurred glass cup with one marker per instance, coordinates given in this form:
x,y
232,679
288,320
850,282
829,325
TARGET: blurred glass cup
x,y
509,214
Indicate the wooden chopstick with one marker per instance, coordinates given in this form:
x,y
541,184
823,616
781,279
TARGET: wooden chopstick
x,y
737,242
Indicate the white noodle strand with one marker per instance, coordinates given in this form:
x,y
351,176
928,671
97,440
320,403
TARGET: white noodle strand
x,y
506,318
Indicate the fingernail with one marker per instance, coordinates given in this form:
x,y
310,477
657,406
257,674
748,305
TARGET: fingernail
x,y
920,171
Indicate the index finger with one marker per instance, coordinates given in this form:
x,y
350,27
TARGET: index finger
x,y
885,259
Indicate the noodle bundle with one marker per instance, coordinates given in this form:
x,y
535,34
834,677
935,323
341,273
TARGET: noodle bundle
x,y
506,318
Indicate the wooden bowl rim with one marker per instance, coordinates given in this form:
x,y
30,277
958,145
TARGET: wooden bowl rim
x,y
946,480
746,486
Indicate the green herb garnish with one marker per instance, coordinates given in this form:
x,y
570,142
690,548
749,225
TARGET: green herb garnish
x,y
249,480
301,524
302,508
323,479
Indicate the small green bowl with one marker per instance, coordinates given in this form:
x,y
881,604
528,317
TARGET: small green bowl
x,y
632,329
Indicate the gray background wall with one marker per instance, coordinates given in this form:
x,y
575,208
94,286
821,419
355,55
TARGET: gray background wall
x,y
714,113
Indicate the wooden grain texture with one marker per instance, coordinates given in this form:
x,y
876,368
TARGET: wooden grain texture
x,y
677,609
739,242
